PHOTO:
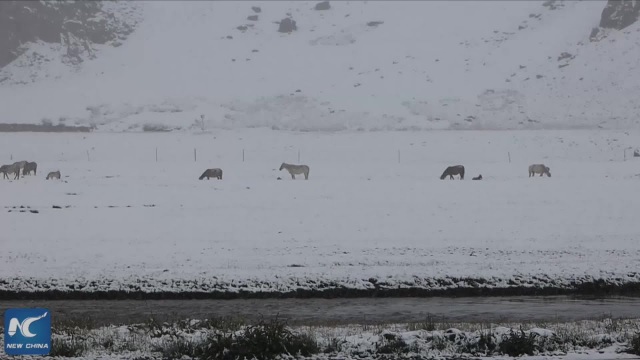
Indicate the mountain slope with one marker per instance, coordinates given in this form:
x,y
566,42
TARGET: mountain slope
x,y
390,65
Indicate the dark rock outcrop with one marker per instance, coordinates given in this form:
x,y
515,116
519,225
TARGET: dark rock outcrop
x,y
55,22
252,17
618,14
256,9
287,25
323,6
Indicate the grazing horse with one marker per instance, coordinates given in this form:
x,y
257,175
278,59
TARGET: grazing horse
x,y
453,170
212,173
539,169
479,177
54,175
29,167
296,170
10,169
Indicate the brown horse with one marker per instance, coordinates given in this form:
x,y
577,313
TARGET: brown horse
x,y
10,169
212,173
453,170
29,167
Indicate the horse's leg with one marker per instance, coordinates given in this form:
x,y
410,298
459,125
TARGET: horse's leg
x,y
306,176
293,176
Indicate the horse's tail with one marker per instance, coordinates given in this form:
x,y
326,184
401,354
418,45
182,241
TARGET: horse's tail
x,y
204,174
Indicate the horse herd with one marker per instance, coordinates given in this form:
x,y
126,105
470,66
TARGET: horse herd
x,y
26,168
459,170
449,171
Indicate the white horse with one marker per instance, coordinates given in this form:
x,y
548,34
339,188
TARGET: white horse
x,y
296,170
539,169
54,175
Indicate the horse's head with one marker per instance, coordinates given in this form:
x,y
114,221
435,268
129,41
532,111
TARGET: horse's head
x,y
281,166
443,176
547,171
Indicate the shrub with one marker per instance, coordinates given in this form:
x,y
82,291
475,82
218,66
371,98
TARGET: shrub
x,y
391,344
67,347
178,348
261,341
634,344
518,343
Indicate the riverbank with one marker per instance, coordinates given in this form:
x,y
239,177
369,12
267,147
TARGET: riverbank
x,y
20,289
429,338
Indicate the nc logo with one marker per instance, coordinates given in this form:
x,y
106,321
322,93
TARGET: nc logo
x,y
15,324
27,331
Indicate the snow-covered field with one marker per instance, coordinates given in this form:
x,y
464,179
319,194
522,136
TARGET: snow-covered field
x,y
373,212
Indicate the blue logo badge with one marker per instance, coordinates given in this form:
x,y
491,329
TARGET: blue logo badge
x,y
27,331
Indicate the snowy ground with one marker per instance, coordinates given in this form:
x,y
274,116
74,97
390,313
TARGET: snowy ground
x,y
373,210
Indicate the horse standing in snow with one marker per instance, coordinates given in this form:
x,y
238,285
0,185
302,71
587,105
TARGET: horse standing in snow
x,y
212,173
21,164
539,169
453,170
10,169
28,168
296,170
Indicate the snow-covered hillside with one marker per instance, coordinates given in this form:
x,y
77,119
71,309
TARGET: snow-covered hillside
x,y
380,65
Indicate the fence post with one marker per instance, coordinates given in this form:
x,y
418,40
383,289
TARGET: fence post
x,y
195,156
156,154
398,156
88,158
509,154
242,155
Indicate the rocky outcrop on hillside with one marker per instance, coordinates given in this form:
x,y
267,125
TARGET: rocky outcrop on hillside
x,y
287,25
618,14
323,6
76,25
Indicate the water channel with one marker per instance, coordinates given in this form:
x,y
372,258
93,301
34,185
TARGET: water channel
x,y
345,311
